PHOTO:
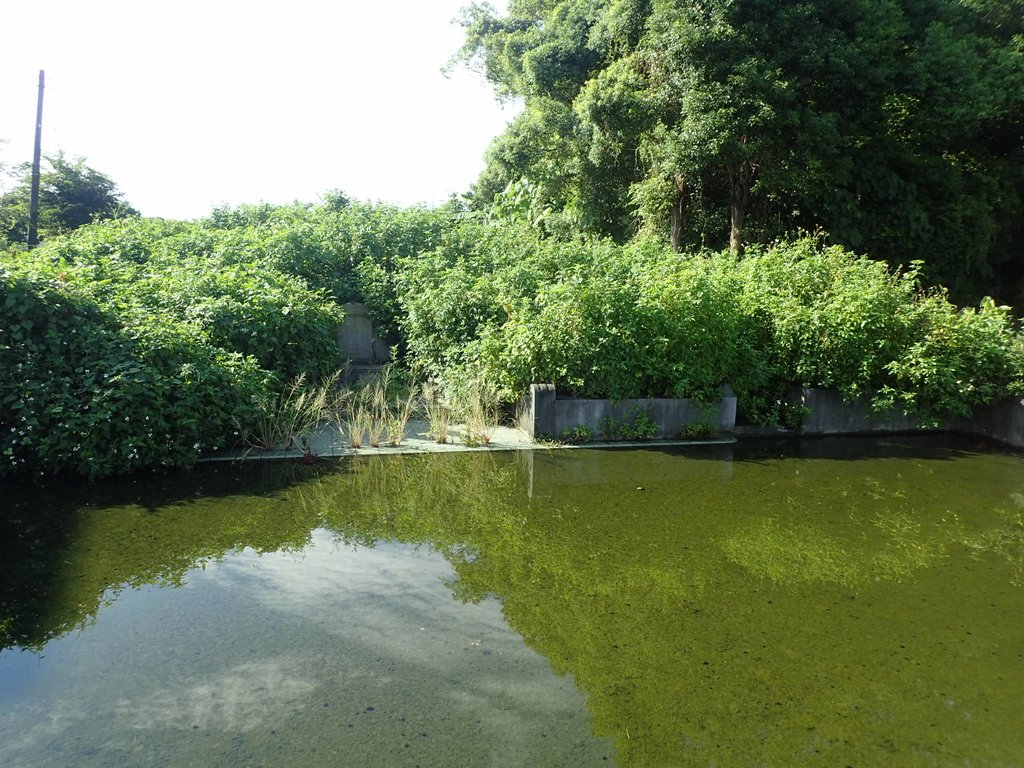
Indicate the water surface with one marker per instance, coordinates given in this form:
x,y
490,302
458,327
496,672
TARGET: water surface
x,y
825,602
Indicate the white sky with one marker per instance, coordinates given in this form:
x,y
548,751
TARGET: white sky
x,y
195,103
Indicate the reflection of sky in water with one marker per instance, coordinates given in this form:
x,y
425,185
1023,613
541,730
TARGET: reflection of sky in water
x,y
375,594
242,698
298,656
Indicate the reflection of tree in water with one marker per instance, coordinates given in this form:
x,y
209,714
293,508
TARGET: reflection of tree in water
x,y
798,612
787,612
64,552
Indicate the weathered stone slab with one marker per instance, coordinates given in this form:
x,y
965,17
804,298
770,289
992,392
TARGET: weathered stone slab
x,y
358,340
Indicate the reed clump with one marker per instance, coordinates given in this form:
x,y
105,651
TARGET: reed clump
x,y
377,411
438,411
289,417
480,409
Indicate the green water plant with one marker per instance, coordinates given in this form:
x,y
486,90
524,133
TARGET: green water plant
x,y
698,430
793,415
637,424
610,427
640,425
576,435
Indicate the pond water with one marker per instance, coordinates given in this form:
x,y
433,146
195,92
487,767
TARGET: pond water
x,y
840,602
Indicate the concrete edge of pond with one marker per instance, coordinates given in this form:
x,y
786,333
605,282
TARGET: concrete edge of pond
x,y
329,442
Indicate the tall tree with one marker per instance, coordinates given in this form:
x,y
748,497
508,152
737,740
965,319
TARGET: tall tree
x,y
895,125
70,194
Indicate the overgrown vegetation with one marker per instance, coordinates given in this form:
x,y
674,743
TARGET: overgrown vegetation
x,y
135,343
636,233
144,343
600,320
93,385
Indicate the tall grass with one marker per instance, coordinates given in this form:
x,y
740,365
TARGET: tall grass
x,y
479,407
289,417
438,411
377,411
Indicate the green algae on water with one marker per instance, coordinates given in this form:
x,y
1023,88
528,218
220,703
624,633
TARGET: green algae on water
x,y
832,602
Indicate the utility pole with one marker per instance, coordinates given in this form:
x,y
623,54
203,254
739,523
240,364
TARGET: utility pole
x,y
33,206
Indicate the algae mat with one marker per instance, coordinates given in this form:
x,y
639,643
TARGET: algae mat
x,y
828,602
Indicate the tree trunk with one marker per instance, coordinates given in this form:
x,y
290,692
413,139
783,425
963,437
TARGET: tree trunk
x,y
678,215
740,177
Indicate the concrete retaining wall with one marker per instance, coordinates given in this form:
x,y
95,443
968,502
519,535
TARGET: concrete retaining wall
x,y
542,412
1002,421
830,414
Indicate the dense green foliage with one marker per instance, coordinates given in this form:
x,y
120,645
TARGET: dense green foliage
x,y
895,127
601,320
94,385
139,343
71,194
347,248
202,277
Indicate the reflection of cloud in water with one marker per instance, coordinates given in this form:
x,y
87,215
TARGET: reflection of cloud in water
x,y
342,571
305,644
457,662
392,596
36,725
240,699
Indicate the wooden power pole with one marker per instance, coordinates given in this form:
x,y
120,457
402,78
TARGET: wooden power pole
x,y
33,207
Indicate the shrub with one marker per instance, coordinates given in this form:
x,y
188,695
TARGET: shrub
x,y
600,320
348,249
956,359
612,322
270,316
835,320
197,276
472,283
91,390
841,321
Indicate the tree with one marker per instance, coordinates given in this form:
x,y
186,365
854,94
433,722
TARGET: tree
x,y
70,194
894,125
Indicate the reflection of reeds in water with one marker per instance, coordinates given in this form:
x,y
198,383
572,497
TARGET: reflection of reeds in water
x,y
402,493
